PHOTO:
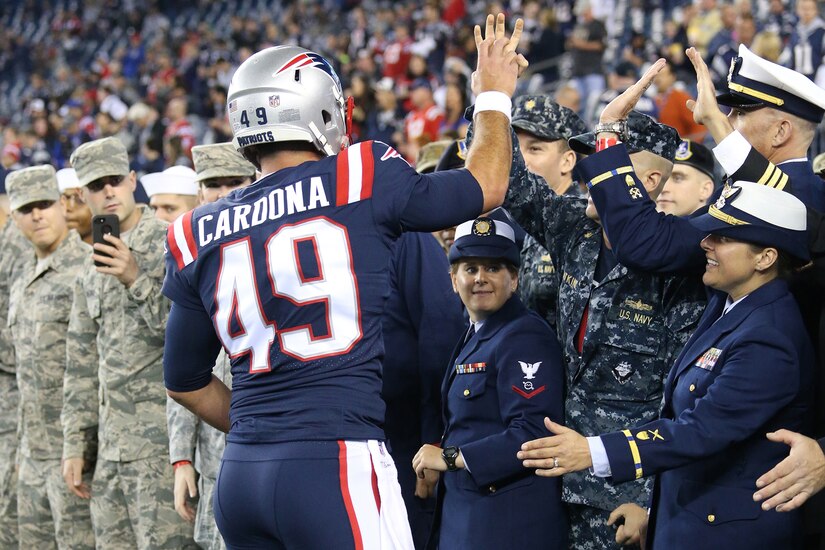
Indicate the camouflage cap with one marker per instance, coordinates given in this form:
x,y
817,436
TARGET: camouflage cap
x,y
429,154
100,158
643,134
453,156
546,119
220,160
28,185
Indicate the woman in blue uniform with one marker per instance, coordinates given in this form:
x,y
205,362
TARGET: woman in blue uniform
x,y
504,377
746,371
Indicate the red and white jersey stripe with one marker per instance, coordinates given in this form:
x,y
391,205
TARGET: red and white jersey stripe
x,y
355,173
182,241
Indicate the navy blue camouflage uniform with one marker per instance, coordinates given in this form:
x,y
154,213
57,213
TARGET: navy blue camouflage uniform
x,y
636,324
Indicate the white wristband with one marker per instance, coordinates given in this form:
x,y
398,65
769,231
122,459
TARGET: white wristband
x,y
494,101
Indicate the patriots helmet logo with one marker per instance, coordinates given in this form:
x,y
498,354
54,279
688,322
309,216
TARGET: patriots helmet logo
x,y
529,369
308,59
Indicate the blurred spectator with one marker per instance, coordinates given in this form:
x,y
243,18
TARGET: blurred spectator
x,y
806,48
397,54
704,25
620,79
568,96
385,123
719,63
780,20
215,111
424,121
456,102
547,47
767,45
671,99
586,46
727,16
178,126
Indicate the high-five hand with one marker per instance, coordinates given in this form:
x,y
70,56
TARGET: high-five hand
x,y
499,66
620,107
706,109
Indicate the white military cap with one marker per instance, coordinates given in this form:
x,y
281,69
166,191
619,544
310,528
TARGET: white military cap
x,y
67,179
177,180
754,81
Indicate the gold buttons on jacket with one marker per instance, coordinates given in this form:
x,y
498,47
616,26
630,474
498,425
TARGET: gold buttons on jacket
x,y
711,518
692,387
492,488
466,392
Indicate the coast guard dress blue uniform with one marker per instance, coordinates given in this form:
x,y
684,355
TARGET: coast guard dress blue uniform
x,y
423,319
314,242
488,413
740,376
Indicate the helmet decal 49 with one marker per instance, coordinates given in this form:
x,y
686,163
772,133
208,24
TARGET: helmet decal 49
x,y
308,59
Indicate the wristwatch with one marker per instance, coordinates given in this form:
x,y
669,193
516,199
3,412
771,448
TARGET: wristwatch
x,y
450,454
618,127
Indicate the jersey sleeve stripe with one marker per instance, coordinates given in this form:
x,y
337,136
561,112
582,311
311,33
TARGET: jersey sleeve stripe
x,y
179,235
173,246
356,174
189,235
342,178
368,170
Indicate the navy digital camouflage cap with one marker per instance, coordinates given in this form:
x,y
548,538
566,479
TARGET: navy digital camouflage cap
x,y
643,134
544,118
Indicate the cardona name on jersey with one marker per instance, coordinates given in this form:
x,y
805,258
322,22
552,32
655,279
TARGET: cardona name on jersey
x,y
300,196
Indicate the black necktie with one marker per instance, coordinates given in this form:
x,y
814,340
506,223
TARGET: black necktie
x,y
469,334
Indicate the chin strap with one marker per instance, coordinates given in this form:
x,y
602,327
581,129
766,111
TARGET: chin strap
x,y
350,108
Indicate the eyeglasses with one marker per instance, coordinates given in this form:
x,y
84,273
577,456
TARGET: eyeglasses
x,y
40,205
99,184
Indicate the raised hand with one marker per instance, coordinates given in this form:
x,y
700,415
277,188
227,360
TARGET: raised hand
x,y
499,65
620,107
705,108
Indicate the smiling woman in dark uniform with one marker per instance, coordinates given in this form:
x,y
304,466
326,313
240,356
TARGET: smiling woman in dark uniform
x,y
746,371
504,377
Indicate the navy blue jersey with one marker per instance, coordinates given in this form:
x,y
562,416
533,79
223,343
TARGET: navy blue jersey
x,y
293,272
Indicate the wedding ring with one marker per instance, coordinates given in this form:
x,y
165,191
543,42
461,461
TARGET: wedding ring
x,y
555,462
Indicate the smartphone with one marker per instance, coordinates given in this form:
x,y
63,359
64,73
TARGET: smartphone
x,y
103,225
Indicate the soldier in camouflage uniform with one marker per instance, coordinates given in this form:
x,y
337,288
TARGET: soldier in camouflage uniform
x,y
620,329
13,246
543,128
220,169
114,372
41,297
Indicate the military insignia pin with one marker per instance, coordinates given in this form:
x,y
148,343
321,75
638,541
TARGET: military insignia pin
x,y
683,152
622,372
530,105
483,227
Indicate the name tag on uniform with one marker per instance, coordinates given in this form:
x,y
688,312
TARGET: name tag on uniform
x,y
708,359
471,368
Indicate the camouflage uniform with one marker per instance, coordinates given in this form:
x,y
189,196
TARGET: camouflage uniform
x,y
637,324
114,380
41,297
13,247
547,120
187,435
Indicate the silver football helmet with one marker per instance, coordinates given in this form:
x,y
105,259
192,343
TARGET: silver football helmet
x,y
287,93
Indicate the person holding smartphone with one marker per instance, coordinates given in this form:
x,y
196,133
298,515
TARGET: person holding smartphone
x,y
115,341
